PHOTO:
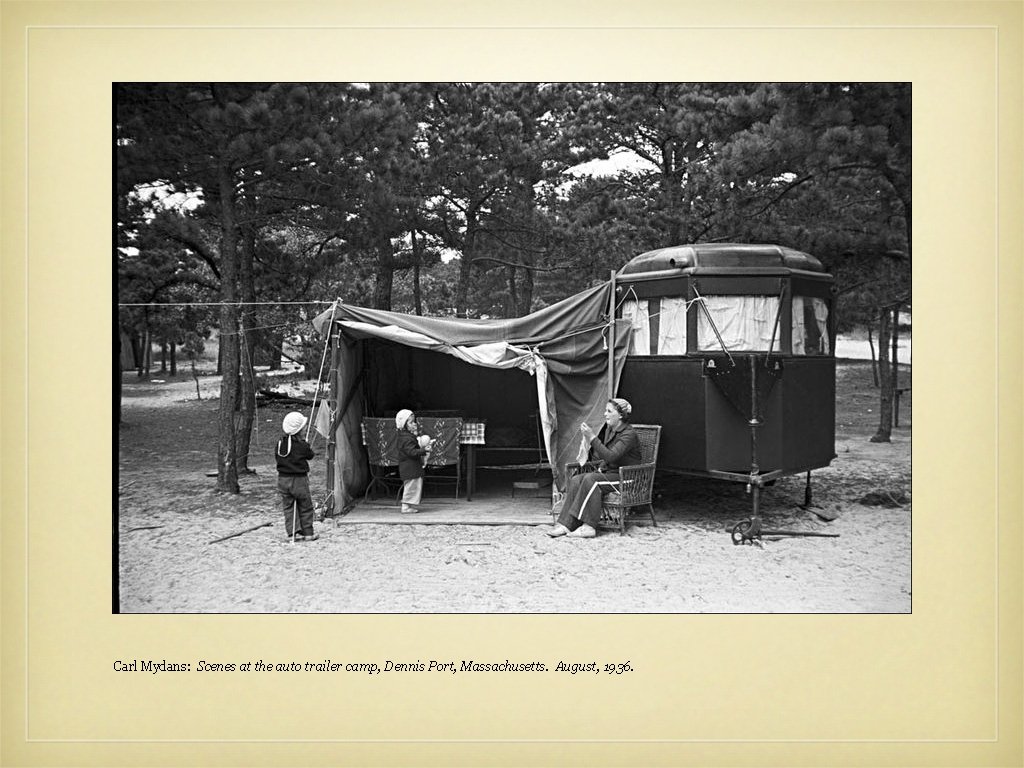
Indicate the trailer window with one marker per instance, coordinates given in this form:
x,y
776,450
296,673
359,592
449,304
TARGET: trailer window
x,y
744,323
659,325
810,326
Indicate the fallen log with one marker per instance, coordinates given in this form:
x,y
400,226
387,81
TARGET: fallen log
x,y
278,397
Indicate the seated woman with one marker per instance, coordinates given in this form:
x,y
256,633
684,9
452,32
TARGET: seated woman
x,y
617,446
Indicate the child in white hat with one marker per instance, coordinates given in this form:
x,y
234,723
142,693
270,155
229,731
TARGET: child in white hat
x,y
411,456
293,455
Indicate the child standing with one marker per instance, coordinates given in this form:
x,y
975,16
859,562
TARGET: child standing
x,y
293,455
410,459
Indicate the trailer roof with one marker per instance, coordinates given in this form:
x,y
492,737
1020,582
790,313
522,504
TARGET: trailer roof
x,y
739,256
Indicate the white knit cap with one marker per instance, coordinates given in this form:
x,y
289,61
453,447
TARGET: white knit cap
x,y
402,417
293,423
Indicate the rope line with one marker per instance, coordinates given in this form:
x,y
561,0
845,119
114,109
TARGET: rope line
x,y
686,308
626,297
220,303
259,328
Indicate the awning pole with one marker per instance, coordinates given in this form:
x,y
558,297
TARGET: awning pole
x,y
334,380
611,337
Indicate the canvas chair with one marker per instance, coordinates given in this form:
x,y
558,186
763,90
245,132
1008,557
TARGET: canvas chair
x,y
381,439
446,451
636,482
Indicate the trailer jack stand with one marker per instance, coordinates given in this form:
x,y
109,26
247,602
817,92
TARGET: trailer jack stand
x,y
745,531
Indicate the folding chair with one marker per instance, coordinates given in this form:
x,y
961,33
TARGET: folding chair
x,y
446,451
380,436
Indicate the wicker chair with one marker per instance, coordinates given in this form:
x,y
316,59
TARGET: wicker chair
x,y
636,482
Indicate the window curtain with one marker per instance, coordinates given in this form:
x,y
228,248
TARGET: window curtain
x,y
672,332
744,322
637,313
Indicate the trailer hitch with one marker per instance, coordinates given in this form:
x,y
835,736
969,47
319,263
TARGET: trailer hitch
x,y
745,531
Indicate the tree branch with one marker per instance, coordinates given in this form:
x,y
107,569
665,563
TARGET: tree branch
x,y
789,188
200,248
491,233
529,267
855,286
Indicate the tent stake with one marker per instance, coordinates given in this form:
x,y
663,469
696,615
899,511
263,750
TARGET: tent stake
x,y
239,533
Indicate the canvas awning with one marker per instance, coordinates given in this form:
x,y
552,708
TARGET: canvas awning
x,y
564,347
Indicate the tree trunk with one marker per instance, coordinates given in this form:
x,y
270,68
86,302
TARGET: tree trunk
x,y
163,356
140,355
174,359
871,345
417,260
144,344
246,400
276,347
307,355
136,344
195,376
466,265
671,194
120,369
527,254
247,321
385,273
526,293
417,295
895,349
884,433
908,223
512,300
227,472
147,352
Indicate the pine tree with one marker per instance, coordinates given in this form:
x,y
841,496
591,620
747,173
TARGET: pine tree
x,y
221,142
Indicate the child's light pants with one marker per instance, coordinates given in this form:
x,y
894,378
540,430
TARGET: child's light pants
x,y
412,493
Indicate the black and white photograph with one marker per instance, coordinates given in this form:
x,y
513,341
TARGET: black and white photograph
x,y
512,347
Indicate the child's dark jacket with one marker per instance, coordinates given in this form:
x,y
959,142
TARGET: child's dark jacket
x,y
296,460
410,464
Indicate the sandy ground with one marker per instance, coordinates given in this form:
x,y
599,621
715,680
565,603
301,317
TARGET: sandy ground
x,y
169,513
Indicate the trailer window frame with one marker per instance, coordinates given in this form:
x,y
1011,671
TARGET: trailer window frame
x,y
768,283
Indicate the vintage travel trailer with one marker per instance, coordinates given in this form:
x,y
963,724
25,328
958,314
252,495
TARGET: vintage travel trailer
x,y
733,354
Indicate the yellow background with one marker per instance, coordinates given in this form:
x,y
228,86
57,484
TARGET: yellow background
x,y
940,686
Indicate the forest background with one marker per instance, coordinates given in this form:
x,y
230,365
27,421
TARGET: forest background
x,y
242,209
